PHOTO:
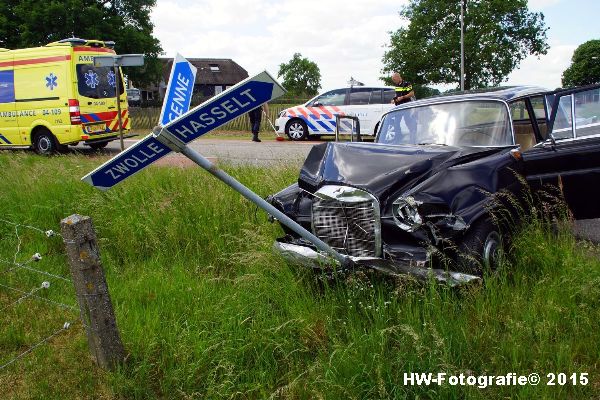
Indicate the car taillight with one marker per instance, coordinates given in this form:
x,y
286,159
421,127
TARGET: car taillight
x,y
74,112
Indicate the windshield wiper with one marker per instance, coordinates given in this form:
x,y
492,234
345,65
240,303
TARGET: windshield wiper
x,y
431,143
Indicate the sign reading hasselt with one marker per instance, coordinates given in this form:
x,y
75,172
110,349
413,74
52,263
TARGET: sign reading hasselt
x,y
229,104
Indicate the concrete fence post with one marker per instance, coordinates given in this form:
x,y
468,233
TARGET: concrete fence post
x,y
96,308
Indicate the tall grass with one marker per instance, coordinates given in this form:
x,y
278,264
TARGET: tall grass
x,y
206,310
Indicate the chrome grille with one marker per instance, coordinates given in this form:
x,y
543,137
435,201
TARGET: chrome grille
x,y
347,219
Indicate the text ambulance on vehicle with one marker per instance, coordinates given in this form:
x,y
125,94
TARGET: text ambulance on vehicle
x,y
317,116
53,96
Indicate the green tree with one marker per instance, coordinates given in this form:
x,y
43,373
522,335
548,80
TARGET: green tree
x,y
300,76
585,65
27,23
499,34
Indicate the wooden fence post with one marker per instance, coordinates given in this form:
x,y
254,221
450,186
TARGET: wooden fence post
x,y
96,308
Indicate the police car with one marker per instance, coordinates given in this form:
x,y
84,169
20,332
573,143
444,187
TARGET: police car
x,y
318,116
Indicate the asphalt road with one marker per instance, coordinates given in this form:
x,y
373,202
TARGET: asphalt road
x,y
239,151
272,152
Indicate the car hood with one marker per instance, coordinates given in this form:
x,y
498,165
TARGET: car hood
x,y
380,169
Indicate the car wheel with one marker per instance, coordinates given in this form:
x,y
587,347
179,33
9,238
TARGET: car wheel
x,y
296,130
481,248
98,146
45,143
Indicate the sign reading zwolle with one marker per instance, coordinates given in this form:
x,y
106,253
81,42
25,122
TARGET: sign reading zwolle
x,y
179,90
231,103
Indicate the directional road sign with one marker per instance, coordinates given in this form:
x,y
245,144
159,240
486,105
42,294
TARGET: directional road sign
x,y
179,91
213,113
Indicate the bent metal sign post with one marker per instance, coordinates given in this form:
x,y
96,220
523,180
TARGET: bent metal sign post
x,y
175,135
217,111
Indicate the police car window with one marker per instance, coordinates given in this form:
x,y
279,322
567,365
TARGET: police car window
x,y
388,95
376,97
333,98
359,96
587,112
96,82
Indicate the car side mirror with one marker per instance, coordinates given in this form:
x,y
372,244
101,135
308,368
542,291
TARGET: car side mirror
x,y
317,104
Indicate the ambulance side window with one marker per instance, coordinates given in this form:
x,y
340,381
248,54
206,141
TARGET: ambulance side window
x,y
7,86
96,82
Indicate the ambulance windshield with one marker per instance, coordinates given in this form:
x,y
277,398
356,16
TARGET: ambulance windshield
x,y
97,82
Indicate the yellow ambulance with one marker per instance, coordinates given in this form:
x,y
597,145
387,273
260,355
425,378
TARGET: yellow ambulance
x,y
53,96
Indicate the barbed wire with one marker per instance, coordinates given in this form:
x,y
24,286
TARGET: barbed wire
x,y
56,303
35,257
24,295
65,326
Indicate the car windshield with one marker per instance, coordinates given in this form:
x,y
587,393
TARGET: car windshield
x,y
464,123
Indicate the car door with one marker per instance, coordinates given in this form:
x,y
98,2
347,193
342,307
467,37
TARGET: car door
x,y
320,113
569,158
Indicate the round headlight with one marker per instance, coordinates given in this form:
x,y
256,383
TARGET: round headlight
x,y
406,215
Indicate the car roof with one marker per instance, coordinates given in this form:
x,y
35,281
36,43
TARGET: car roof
x,y
356,87
500,93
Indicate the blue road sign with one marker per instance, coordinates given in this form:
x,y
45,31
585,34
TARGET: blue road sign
x,y
217,111
179,91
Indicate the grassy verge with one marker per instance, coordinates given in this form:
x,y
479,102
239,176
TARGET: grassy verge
x,y
207,311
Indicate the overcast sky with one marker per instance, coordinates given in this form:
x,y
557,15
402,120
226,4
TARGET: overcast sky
x,y
344,38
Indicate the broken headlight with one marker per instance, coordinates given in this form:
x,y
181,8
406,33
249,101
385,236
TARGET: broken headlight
x,y
406,215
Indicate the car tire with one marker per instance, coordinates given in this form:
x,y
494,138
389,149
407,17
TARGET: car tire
x,y
481,248
44,142
296,130
98,146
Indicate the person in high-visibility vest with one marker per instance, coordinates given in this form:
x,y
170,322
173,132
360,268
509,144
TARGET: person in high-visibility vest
x,y
404,94
404,90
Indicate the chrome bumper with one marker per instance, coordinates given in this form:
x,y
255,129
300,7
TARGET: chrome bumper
x,y
306,256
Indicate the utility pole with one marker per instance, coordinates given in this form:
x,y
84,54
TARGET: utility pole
x,y
462,44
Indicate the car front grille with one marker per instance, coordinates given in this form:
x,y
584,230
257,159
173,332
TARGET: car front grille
x,y
348,220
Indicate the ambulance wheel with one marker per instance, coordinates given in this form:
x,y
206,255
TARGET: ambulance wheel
x,y
296,130
44,142
98,146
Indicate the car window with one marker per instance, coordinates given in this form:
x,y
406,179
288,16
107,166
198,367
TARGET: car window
x,y
359,96
461,123
376,96
518,110
537,103
563,124
388,95
364,96
523,128
333,98
587,113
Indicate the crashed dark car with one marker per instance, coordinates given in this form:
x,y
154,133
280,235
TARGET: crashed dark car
x,y
430,176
